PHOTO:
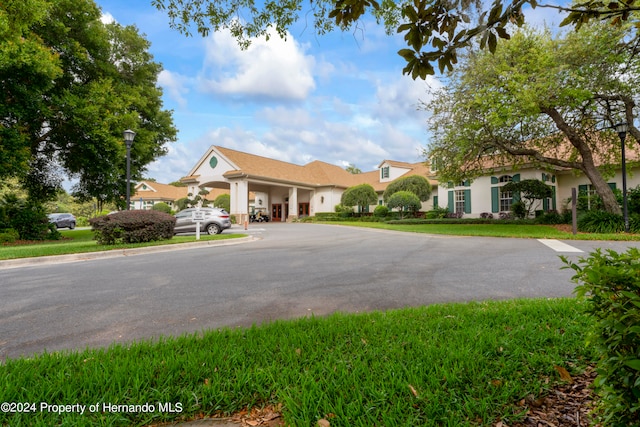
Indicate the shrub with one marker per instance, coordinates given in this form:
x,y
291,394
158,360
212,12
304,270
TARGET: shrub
x,y
28,218
381,211
611,287
437,212
486,215
519,210
552,217
600,222
406,201
133,227
161,207
9,235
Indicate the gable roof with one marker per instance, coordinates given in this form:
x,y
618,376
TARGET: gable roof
x,y
157,191
315,174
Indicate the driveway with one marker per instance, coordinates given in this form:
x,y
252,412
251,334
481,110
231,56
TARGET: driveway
x,y
289,270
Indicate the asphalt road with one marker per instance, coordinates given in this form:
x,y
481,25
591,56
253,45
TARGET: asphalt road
x,y
289,270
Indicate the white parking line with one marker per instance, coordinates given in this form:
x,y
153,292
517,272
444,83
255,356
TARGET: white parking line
x,y
558,246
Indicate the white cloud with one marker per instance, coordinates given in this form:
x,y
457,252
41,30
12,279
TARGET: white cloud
x,y
173,84
107,18
276,69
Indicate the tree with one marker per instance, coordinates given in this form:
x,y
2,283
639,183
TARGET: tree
x,y
418,185
540,101
64,113
442,27
353,169
362,196
529,190
223,201
406,201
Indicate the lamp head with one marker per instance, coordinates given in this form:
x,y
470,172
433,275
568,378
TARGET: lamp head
x,y
128,137
621,128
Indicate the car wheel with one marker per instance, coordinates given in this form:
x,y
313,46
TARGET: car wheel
x,y
214,229
72,226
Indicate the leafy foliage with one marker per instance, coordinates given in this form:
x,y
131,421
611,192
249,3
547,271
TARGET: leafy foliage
x,y
610,283
406,201
362,195
64,113
418,185
27,218
162,207
133,227
596,221
381,211
434,31
530,190
223,201
497,111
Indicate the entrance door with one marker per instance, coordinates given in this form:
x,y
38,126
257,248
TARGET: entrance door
x,y
276,212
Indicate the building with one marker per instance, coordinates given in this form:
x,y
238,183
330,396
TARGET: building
x,y
148,193
286,191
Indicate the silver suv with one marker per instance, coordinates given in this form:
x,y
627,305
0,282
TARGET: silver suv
x,y
214,220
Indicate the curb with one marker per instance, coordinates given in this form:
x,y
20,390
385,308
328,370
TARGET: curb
x,y
88,256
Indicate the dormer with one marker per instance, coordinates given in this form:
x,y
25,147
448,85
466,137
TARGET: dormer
x,y
391,170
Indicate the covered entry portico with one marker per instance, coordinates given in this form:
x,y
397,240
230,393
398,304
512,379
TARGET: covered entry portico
x,y
281,190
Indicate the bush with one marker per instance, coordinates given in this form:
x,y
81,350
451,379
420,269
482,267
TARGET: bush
x,y
600,222
9,235
552,217
133,227
519,210
28,218
611,287
437,212
381,211
161,207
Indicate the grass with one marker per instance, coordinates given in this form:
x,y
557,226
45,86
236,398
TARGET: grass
x,y
81,241
442,365
493,230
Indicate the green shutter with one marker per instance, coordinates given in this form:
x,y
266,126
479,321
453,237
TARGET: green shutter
x,y
467,183
449,184
545,204
553,179
495,199
583,189
516,178
545,177
494,180
467,201
516,197
612,185
553,198
435,202
452,207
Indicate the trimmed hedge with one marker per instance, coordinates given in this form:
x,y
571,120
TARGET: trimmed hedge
x,y
135,226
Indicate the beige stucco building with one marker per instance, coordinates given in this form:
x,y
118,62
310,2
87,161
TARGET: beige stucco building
x,y
286,191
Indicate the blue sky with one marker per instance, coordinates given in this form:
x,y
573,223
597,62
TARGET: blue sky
x,y
340,98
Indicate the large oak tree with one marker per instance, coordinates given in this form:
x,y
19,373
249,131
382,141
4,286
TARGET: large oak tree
x,y
538,100
71,86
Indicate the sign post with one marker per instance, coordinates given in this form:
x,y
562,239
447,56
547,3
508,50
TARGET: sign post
x,y
197,216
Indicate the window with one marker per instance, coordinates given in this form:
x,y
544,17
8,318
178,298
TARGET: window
x,y
506,198
459,194
505,178
384,172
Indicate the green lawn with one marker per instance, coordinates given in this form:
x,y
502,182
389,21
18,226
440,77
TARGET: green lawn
x,y
442,365
492,230
81,241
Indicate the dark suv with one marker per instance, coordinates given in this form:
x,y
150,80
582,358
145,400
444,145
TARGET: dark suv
x,y
214,220
63,220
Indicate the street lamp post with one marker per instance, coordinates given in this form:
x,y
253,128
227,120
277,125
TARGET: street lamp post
x,y
128,140
622,129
